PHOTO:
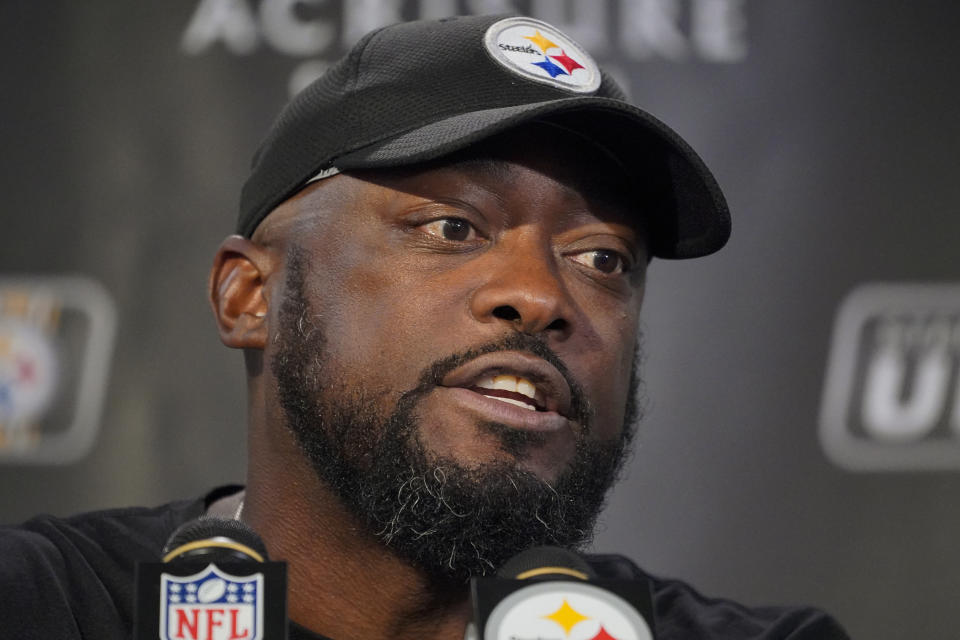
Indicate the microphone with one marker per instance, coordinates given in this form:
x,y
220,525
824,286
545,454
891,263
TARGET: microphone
x,y
215,582
549,592
214,539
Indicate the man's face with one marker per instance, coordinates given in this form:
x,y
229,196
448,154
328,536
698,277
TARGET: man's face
x,y
456,347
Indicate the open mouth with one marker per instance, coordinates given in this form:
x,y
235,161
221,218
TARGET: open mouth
x,y
516,378
515,390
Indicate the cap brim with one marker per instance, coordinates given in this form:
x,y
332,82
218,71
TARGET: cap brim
x,y
693,220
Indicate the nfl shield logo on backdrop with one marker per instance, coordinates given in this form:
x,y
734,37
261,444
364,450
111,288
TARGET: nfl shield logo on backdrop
x,y
211,605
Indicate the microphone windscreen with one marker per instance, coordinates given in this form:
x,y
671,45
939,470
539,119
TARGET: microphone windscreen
x,y
204,529
546,563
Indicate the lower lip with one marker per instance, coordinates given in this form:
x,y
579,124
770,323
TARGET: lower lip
x,y
493,410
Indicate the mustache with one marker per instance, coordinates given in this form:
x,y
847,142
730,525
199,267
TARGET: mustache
x,y
581,408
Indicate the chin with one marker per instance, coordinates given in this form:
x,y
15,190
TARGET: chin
x,y
545,456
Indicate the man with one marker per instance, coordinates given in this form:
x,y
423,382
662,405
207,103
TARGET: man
x,y
436,283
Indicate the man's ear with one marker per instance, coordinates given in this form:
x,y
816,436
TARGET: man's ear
x,y
238,293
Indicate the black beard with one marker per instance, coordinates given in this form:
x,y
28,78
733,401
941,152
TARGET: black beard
x,y
450,521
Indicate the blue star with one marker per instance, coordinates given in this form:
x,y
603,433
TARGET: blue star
x,y
548,66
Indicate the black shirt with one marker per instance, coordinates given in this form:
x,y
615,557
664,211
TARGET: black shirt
x,y
72,578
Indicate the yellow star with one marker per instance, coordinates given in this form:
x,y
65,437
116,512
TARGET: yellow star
x,y
567,617
540,41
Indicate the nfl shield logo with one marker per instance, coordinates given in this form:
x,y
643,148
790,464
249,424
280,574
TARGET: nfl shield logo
x,y
211,605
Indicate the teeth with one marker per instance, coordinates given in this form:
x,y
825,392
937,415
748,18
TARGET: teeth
x,y
526,387
512,401
485,383
509,383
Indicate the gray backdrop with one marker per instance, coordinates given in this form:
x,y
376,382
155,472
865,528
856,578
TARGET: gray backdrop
x,y
126,132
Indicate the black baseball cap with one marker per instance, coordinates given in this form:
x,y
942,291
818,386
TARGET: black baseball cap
x,y
416,91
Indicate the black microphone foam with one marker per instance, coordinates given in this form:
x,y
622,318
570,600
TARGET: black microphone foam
x,y
546,563
215,539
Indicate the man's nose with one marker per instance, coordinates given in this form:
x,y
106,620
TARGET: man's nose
x,y
523,288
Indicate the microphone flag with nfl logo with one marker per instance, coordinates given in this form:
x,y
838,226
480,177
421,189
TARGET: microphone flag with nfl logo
x,y
189,600
211,604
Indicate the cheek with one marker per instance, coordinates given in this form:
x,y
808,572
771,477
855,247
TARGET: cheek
x,y
386,320
606,373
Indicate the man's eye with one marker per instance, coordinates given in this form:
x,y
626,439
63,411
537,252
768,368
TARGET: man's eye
x,y
603,260
454,229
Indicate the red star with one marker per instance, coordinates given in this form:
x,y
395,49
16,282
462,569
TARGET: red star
x,y
568,63
602,635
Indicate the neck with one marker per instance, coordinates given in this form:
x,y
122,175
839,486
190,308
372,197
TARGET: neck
x,y
343,582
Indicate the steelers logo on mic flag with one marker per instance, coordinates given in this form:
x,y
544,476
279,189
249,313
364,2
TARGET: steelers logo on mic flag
x,y
211,605
539,51
564,610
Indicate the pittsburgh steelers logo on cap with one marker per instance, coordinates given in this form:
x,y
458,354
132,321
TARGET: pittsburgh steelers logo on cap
x,y
539,51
